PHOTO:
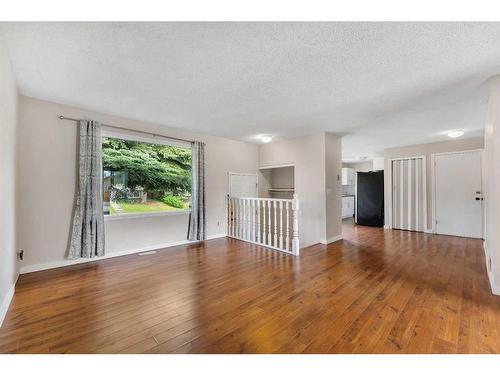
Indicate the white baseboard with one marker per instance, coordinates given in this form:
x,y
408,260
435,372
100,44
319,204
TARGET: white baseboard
x,y
215,236
71,262
326,241
6,303
495,289
386,226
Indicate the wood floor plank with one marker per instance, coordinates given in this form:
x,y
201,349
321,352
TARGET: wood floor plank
x,y
376,291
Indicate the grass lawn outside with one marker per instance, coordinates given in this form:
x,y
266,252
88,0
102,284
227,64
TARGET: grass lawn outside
x,y
149,206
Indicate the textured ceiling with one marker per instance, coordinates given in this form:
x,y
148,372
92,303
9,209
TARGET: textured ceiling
x,y
378,84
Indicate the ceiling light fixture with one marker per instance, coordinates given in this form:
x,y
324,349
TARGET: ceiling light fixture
x,y
266,138
455,133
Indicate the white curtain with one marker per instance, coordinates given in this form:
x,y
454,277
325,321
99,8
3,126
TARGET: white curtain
x,y
87,236
197,230
408,191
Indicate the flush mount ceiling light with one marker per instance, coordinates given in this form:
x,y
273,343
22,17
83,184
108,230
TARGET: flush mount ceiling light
x,y
266,138
363,157
455,133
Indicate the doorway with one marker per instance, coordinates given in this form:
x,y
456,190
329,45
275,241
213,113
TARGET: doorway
x,y
458,194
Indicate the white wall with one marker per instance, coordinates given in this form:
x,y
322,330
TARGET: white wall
x,y
491,184
308,154
8,120
378,164
362,166
47,176
426,150
333,188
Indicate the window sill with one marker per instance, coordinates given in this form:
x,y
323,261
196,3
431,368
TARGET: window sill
x,y
145,215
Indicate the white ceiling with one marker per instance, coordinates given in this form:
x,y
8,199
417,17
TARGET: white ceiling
x,y
379,84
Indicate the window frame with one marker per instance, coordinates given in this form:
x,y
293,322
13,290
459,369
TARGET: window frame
x,y
153,140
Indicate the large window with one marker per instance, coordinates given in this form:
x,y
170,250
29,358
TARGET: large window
x,y
142,177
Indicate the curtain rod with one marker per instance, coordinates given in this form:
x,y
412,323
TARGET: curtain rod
x,y
61,117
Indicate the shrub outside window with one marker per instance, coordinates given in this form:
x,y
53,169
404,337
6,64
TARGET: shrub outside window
x,y
143,177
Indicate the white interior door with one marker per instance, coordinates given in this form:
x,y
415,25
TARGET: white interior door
x,y
243,185
458,195
408,194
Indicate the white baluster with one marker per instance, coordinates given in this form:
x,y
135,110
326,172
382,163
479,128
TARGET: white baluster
x,y
247,220
244,212
281,224
234,223
235,218
295,235
250,216
264,226
269,226
253,219
275,209
238,232
240,218
287,240
229,216
258,222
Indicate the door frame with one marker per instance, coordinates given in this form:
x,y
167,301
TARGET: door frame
x,y
229,174
424,195
433,183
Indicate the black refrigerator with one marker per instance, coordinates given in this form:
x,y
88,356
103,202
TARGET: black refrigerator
x,y
370,199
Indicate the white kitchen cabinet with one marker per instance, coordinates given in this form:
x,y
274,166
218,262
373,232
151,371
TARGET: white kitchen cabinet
x,y
348,176
347,206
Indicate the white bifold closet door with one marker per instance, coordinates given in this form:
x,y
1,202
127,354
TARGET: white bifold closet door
x,y
408,192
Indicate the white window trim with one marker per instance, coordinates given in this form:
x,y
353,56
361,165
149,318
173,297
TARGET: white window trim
x,y
133,137
114,217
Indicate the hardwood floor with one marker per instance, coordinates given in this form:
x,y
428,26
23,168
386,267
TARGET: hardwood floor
x,y
374,292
